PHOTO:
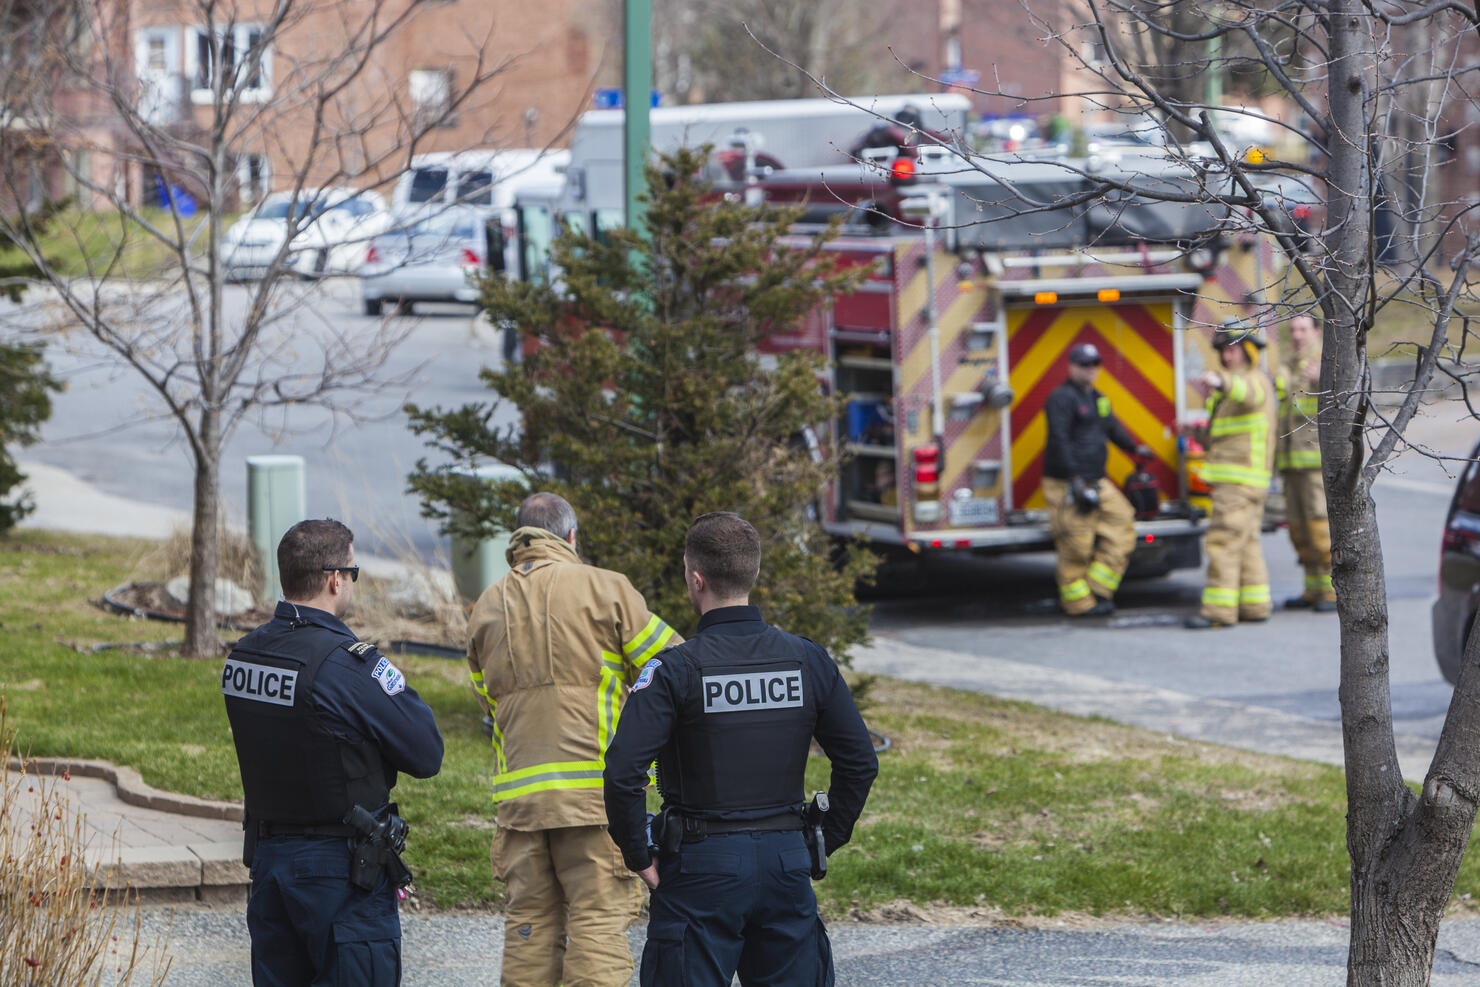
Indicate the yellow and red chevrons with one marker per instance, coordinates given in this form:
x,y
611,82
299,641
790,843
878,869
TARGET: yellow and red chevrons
x,y
1137,379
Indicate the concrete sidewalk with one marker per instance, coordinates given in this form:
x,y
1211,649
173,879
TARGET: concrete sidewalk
x,y
166,847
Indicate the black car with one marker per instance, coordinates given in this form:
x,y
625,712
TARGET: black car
x,y
1459,572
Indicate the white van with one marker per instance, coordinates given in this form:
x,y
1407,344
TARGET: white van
x,y
483,179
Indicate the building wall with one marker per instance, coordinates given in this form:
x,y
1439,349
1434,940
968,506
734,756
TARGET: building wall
x,y
542,58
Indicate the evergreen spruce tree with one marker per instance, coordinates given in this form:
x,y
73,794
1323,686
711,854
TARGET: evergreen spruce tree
x,y
645,403
25,401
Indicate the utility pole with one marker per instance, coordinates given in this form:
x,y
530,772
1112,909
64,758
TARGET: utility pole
x,y
637,84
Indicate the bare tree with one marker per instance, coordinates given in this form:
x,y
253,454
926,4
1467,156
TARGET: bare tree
x,y
319,90
702,54
1379,105
1373,92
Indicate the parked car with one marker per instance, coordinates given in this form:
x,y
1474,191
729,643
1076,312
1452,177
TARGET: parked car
x,y
334,225
431,256
1459,572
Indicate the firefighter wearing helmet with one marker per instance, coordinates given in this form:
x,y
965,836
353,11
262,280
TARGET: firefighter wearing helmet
x,y
1240,458
1093,524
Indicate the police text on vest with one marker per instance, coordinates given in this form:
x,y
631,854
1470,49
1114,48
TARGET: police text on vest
x,y
260,683
752,690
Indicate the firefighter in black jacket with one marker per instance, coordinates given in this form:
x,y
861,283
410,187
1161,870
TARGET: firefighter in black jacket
x,y
322,724
1093,524
730,715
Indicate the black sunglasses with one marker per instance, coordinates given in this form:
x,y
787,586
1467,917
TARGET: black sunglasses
x,y
353,570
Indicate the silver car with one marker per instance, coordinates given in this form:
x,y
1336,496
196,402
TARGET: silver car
x,y
431,257
1459,572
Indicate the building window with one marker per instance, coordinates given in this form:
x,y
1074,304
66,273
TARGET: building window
x,y
157,64
431,97
254,179
227,59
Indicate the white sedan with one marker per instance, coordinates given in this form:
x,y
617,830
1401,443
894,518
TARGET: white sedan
x,y
437,255
333,225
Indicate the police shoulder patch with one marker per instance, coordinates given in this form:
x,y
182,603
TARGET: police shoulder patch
x,y
645,678
360,648
389,676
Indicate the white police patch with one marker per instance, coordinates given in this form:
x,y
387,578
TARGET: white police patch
x,y
753,690
390,678
645,678
259,683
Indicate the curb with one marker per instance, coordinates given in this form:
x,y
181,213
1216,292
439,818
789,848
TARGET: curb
x,y
131,788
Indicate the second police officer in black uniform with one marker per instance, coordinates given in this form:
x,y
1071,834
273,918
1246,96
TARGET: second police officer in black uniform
x,y
322,724
730,716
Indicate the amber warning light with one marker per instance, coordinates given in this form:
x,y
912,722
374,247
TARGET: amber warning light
x,y
1045,298
1108,294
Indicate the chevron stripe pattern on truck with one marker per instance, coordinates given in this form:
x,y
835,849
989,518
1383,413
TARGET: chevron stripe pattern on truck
x,y
1138,377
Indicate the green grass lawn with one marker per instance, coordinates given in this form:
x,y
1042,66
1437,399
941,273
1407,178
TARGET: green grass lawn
x,y
97,243
982,805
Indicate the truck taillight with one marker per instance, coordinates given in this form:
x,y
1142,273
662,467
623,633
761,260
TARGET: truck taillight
x,y
902,171
470,258
927,472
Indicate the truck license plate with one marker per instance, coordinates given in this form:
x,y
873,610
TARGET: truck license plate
x,y
974,512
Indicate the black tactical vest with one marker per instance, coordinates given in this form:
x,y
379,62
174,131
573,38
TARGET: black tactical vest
x,y
294,771
741,741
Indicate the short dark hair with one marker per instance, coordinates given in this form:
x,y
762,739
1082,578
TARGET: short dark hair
x,y
726,551
551,512
305,550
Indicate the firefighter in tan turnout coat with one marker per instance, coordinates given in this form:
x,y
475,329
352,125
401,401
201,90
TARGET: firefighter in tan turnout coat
x,y
554,647
1298,458
1240,456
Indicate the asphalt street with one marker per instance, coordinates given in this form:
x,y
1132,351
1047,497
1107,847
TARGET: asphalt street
x,y
1290,663
107,428
209,948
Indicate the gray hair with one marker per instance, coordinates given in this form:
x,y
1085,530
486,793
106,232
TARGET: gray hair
x,y
548,511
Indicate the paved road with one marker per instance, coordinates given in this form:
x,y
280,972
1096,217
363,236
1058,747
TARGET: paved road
x,y
1005,611
106,429
209,948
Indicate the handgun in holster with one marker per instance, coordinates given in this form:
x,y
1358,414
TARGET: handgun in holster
x,y
378,849
664,832
812,832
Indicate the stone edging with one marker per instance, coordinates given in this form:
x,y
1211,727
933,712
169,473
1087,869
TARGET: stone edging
x,y
131,788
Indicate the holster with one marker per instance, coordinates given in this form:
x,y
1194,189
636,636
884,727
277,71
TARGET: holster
x,y
249,840
667,831
372,861
367,865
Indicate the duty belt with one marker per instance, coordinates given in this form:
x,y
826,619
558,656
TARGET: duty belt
x,y
696,829
267,830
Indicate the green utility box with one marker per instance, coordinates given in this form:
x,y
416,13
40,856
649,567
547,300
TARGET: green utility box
x,y
476,565
277,499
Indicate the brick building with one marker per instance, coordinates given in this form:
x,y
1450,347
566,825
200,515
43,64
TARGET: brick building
x,y
313,82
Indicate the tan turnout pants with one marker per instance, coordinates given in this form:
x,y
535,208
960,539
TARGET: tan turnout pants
x,y
1238,582
571,900
1093,548
1305,510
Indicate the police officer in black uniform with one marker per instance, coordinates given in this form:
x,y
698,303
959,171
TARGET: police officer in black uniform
x,y
322,723
730,715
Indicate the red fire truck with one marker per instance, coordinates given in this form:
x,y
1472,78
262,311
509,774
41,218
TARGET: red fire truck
x,y
982,274
980,281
